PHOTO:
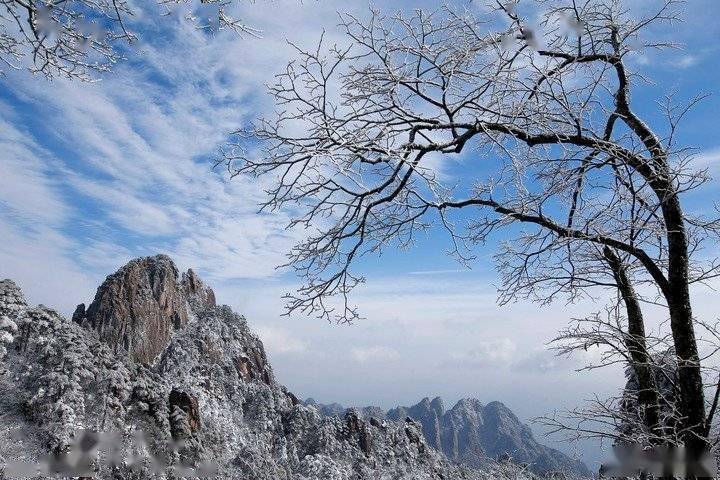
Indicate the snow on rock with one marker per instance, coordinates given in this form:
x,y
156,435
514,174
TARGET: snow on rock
x,y
175,381
473,434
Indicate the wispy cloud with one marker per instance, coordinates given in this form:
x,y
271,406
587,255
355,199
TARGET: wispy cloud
x,y
137,158
543,360
709,158
685,61
448,271
279,340
374,353
29,190
494,353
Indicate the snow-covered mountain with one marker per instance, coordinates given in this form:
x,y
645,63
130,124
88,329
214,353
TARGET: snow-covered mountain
x,y
175,382
472,434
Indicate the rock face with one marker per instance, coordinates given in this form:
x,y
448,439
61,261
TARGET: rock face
x,y
429,414
181,382
474,434
138,308
186,406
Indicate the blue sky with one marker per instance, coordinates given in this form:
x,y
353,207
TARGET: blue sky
x,y
95,174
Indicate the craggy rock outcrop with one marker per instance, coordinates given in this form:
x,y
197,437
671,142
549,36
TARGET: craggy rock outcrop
x,y
356,428
188,406
473,434
156,356
138,308
196,291
429,414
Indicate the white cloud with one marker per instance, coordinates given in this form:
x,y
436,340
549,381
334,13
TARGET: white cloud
x,y
495,353
709,158
448,271
685,61
138,152
28,192
280,341
34,259
375,353
543,360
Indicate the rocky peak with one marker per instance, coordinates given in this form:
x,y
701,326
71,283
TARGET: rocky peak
x,y
327,410
137,309
197,292
429,414
498,408
496,413
438,406
468,406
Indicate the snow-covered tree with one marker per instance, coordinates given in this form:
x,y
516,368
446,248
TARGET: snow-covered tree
x,y
8,329
541,108
59,399
80,38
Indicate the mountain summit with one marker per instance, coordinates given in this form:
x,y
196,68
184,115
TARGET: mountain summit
x,y
138,308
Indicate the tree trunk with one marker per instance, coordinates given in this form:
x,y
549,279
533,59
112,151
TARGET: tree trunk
x,y
636,345
692,400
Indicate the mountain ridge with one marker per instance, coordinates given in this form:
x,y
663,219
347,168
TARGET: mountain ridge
x,y
471,433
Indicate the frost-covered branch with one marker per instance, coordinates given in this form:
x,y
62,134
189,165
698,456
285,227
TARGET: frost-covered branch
x,y
83,38
366,136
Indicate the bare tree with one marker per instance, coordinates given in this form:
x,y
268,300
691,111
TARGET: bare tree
x,y
80,38
644,413
623,419
543,118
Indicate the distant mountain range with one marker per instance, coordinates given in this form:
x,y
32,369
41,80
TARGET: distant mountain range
x,y
471,434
